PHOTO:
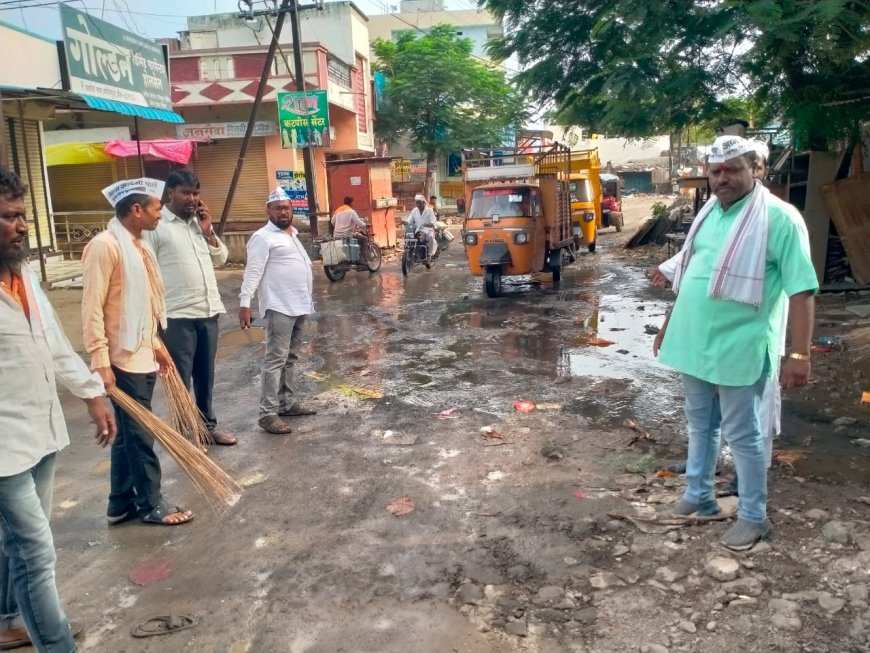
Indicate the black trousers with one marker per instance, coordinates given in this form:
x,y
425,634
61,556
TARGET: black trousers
x,y
192,343
135,474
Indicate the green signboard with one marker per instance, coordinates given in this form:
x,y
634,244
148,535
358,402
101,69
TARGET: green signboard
x,y
111,63
303,117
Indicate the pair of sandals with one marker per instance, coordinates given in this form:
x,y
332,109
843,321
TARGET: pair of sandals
x,y
157,515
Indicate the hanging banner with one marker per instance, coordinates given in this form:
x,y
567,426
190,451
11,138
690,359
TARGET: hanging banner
x,y
293,182
107,62
303,117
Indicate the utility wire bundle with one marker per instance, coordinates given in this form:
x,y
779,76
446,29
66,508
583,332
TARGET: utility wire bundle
x,y
219,489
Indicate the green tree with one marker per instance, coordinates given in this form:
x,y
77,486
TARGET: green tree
x,y
634,68
441,97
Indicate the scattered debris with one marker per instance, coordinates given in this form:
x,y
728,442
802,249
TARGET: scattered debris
x,y
252,479
861,442
651,329
552,451
660,524
489,433
401,506
549,406
666,473
395,439
450,413
592,340
524,406
641,433
580,494
355,392
789,458
317,376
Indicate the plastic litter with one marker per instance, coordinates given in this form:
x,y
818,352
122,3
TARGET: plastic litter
x,y
524,406
401,506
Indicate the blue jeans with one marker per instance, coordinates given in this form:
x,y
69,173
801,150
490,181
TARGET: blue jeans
x,y
735,413
28,547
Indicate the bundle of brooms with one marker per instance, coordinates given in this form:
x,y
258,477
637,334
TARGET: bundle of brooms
x,y
185,414
213,483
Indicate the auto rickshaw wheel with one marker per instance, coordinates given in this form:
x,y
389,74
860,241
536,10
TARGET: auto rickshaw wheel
x,y
492,282
334,273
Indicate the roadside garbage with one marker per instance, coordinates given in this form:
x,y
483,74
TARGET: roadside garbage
x,y
489,433
789,458
549,406
252,479
827,344
401,506
450,413
592,340
552,451
651,329
641,433
317,376
355,392
579,494
524,406
666,473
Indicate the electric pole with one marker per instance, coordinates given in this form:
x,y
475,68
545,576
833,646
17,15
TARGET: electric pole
x,y
307,153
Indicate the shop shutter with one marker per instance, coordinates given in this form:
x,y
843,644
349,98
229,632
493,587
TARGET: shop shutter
x,y
79,187
35,182
214,164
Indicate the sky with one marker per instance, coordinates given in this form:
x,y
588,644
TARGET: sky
x,y
154,19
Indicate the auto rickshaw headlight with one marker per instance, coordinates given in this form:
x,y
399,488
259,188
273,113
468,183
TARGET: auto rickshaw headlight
x,y
521,238
471,239
588,217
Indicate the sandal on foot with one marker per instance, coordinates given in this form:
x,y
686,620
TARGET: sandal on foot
x,y
159,515
163,625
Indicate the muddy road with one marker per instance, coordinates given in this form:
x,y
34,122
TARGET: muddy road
x,y
515,541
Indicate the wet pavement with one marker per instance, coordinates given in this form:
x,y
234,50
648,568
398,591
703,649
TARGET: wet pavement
x,y
415,382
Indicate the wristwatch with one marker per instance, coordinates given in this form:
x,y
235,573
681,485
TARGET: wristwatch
x,y
799,357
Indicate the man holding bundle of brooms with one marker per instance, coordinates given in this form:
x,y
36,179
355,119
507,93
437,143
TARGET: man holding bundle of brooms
x,y
122,307
34,354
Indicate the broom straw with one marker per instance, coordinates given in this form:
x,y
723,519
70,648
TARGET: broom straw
x,y
219,489
186,417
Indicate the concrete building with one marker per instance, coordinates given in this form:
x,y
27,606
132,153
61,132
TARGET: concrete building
x,y
420,16
215,67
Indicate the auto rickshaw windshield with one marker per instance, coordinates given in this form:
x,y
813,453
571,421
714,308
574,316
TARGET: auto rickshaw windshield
x,y
581,190
501,202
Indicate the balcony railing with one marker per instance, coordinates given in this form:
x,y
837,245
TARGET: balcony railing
x,y
74,229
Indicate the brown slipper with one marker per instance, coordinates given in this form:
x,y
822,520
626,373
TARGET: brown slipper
x,y
223,438
274,425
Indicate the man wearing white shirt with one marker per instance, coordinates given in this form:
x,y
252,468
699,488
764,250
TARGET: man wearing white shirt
x,y
187,249
34,354
278,271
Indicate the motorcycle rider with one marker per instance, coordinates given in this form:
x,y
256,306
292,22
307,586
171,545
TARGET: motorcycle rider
x,y
422,221
346,223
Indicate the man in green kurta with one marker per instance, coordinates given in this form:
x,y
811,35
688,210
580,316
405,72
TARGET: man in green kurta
x,y
745,263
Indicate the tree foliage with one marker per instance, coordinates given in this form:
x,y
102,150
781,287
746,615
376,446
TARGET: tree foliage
x,y
633,68
440,96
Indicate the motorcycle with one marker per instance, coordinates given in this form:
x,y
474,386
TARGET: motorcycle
x,y
343,254
416,252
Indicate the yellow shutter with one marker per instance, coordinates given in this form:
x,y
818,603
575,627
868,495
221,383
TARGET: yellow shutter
x,y
214,164
35,181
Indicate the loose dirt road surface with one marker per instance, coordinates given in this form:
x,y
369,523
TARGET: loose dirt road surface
x,y
520,537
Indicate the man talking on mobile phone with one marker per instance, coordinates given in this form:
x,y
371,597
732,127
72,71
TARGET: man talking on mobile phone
x,y
187,249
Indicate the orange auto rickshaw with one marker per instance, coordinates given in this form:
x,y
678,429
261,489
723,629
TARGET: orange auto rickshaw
x,y
518,214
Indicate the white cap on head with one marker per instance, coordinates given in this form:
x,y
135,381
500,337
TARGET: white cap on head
x,y
761,149
726,148
126,187
419,197
278,195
